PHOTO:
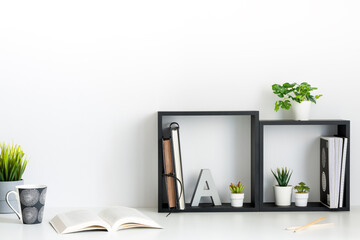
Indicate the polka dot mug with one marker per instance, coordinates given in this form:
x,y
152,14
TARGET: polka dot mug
x,y
31,200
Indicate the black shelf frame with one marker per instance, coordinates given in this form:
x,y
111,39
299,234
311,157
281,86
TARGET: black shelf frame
x,y
343,130
255,150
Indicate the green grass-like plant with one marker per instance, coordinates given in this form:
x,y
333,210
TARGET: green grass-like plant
x,y
295,92
282,176
12,162
302,188
238,188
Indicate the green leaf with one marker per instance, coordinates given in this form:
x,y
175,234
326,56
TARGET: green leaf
x,y
282,176
286,104
302,188
277,106
312,99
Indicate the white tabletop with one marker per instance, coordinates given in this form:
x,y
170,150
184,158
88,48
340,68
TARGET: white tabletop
x,y
256,225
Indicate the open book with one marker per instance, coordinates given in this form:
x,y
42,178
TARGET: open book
x,y
110,219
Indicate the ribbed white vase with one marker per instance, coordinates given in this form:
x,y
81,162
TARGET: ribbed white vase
x,y
301,199
237,199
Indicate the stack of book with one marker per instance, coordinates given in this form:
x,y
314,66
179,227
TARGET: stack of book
x,y
173,167
333,152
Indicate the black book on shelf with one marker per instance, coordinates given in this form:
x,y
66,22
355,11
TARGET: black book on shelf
x,y
332,170
326,155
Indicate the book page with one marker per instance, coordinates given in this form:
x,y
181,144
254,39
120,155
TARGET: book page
x,y
343,167
76,221
338,169
124,217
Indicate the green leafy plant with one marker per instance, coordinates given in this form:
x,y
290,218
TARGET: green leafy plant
x,y
238,188
12,162
302,188
295,92
282,176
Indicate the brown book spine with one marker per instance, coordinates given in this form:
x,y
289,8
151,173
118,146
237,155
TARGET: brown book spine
x,y
169,169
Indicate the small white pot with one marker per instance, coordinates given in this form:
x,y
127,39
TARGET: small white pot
x,y
237,199
301,111
301,199
283,195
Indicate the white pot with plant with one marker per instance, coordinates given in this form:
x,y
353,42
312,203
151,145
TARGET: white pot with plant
x,y
301,195
295,97
282,190
237,195
12,166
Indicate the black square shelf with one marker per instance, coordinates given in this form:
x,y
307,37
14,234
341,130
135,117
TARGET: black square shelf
x,y
343,130
254,155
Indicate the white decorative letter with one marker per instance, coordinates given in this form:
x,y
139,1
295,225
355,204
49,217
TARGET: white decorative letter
x,y
205,178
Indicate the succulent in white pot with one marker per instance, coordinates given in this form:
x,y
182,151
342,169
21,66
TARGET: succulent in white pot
x,y
295,97
301,194
237,195
283,189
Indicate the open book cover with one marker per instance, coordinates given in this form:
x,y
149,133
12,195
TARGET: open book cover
x,y
110,219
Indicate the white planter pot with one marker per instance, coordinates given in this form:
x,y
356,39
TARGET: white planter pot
x,y
301,199
4,188
283,195
301,111
237,199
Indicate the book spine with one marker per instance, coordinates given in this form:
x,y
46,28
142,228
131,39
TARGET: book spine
x,y
324,170
178,166
169,173
331,173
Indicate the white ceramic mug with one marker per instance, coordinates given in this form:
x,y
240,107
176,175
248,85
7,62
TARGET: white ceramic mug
x,y
31,202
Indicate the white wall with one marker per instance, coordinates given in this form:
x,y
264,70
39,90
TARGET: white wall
x,y
81,81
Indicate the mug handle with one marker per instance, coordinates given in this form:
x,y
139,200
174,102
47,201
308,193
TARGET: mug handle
x,y
8,202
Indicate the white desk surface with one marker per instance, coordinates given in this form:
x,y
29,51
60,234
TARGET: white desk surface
x,y
255,225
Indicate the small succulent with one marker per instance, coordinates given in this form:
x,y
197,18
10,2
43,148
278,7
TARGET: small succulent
x,y
238,188
302,188
282,176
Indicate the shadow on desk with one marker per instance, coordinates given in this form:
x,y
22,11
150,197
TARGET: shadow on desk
x,y
9,220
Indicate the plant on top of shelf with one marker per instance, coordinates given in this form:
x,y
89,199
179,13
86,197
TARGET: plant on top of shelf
x,y
12,166
302,194
282,176
239,188
295,92
237,195
282,190
302,188
301,96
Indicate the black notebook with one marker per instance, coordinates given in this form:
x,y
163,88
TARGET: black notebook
x,y
332,170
